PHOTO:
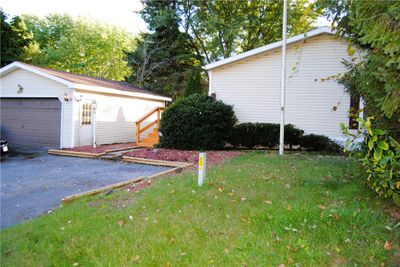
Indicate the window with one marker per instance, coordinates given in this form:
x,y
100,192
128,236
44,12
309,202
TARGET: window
x,y
354,111
86,116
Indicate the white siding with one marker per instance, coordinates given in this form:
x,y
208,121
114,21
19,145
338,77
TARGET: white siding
x,y
37,86
253,86
116,116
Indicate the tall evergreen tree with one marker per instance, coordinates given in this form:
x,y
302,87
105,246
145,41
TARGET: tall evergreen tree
x,y
164,58
195,83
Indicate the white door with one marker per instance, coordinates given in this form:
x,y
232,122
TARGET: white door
x,y
85,127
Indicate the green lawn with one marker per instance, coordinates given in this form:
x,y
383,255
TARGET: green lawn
x,y
257,210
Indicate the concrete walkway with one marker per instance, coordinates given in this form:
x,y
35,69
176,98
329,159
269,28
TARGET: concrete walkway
x,y
33,184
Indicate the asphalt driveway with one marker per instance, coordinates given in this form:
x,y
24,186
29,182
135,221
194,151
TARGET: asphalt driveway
x,y
34,183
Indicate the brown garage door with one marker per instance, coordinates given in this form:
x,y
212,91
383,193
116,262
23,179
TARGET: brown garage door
x,y
31,121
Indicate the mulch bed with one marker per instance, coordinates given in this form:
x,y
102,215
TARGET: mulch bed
x,y
102,148
190,156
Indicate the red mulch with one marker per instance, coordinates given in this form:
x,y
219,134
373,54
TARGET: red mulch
x,y
191,156
102,148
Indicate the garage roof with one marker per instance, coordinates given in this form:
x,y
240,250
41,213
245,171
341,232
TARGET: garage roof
x,y
265,48
83,82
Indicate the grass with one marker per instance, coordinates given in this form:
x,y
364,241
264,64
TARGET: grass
x,y
257,210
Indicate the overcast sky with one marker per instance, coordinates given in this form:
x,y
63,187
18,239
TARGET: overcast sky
x,y
116,12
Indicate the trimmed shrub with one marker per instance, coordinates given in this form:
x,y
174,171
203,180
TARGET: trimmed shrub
x,y
292,135
263,134
197,122
314,142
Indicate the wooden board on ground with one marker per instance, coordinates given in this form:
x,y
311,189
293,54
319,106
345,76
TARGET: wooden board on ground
x,y
155,162
71,198
70,153
101,189
121,149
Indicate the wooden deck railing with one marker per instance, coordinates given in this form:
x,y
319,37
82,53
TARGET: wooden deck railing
x,y
140,130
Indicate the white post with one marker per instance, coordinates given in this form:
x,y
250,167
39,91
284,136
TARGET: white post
x,y
283,81
202,168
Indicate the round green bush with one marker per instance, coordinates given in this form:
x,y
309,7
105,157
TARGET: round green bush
x,y
197,122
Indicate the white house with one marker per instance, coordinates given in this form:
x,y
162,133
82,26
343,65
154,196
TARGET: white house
x,y
45,107
251,83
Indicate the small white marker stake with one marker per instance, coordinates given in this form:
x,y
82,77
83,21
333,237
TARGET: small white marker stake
x,y
202,168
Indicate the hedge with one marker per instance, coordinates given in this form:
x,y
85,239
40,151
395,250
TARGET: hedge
x,y
250,135
314,142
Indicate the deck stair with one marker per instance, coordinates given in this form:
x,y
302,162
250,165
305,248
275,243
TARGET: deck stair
x,y
153,137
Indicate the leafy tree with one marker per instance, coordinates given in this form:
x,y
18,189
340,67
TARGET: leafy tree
x,y
14,39
373,26
79,46
222,28
164,58
374,74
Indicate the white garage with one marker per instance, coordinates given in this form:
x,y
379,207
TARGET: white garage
x,y
45,107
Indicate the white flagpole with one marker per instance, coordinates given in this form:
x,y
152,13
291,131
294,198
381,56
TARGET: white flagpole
x,y
283,81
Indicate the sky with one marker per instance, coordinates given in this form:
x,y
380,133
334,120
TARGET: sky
x,y
115,12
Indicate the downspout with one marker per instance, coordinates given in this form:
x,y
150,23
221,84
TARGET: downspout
x,y
94,108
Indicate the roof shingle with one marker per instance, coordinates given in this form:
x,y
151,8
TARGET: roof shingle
x,y
86,80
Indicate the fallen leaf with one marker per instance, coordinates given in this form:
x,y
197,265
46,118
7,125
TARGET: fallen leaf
x,y
387,246
281,265
289,208
269,202
136,258
220,188
243,199
322,207
75,264
121,222
290,261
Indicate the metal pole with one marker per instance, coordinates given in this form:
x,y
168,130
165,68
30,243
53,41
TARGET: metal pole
x,y
283,81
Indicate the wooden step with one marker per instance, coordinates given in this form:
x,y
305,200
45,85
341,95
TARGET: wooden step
x,y
151,139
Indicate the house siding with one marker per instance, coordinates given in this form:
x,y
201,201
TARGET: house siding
x,y
36,86
115,116
252,86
